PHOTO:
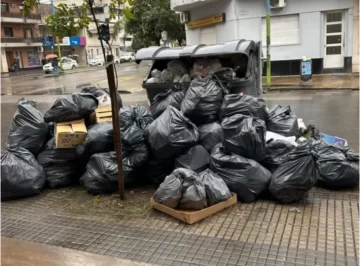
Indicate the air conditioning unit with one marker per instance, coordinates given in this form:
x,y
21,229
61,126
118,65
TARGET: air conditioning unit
x,y
40,49
13,5
184,17
277,4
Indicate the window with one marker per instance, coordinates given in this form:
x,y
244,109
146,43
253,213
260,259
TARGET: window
x,y
8,32
28,33
128,39
284,30
4,7
97,51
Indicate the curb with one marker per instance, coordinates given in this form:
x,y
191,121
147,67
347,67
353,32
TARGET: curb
x,y
311,89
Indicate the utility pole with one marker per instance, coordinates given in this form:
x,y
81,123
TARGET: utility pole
x,y
268,57
116,122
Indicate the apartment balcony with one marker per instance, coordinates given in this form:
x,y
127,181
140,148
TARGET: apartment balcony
x,y
21,42
186,5
12,17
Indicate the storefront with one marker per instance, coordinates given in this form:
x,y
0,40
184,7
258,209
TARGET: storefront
x,y
29,57
70,47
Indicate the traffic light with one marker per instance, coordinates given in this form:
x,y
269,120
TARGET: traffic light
x,y
104,32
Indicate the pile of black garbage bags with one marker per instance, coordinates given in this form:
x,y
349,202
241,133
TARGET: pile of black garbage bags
x,y
198,144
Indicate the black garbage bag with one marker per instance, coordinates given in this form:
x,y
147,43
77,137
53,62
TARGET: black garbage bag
x,y
60,165
276,152
98,92
215,187
245,177
99,139
169,192
282,121
157,170
171,97
21,175
101,175
293,179
193,190
170,134
210,135
203,100
244,104
134,119
196,158
135,157
338,167
71,107
245,136
28,129
51,131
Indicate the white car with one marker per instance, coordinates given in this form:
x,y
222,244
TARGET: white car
x,y
128,57
99,60
66,63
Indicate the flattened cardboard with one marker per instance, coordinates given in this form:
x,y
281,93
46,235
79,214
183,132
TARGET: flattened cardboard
x,y
101,114
193,216
70,134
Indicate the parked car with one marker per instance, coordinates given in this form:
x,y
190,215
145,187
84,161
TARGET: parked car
x,y
97,61
100,61
128,57
66,63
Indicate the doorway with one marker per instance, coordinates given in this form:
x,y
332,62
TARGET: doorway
x,y
208,35
334,40
18,55
10,58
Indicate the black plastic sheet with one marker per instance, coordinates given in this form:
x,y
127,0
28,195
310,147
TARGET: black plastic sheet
x,y
245,136
28,128
245,177
170,134
21,175
71,107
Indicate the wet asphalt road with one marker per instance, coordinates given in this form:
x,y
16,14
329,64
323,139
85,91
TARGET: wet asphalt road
x,y
39,83
332,112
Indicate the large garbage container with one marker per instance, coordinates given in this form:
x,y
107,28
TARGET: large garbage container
x,y
242,55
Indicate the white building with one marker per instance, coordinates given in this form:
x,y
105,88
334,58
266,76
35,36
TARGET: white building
x,y
92,46
325,30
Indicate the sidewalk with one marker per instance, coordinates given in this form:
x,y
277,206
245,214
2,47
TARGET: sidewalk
x,y
334,81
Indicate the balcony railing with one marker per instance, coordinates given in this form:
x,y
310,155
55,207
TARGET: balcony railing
x,y
21,40
6,14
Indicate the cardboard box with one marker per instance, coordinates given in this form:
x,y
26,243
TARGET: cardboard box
x,y
193,216
70,134
101,114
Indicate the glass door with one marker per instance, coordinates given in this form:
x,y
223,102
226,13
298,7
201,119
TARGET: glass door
x,y
334,40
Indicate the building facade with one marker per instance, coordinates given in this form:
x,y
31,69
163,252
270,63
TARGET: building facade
x,y
20,37
321,29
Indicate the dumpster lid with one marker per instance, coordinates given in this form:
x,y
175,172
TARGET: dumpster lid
x,y
230,47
